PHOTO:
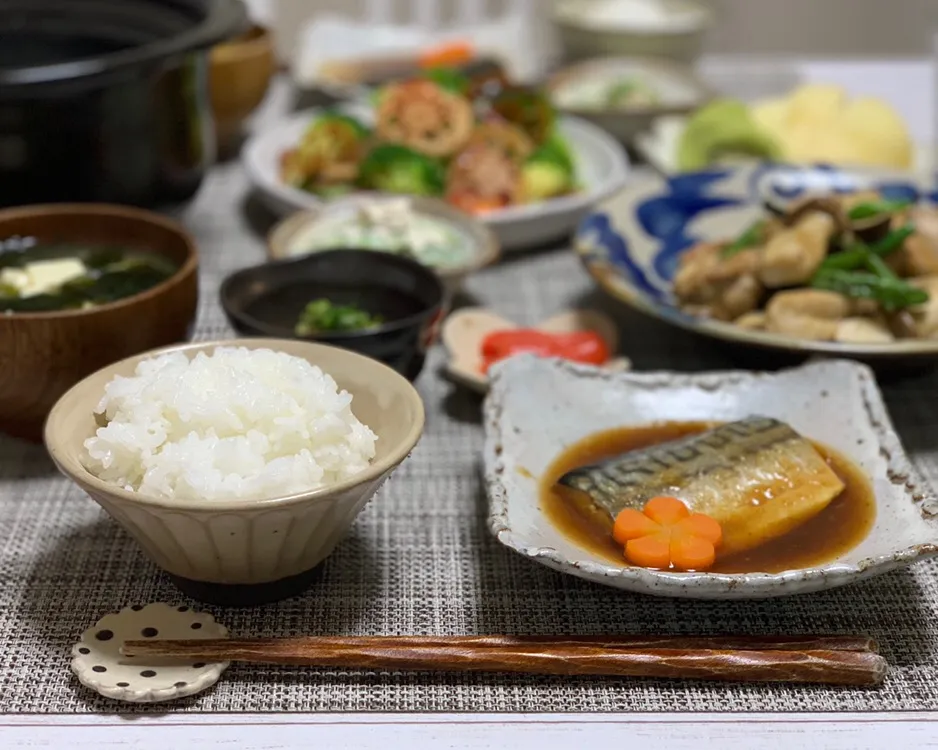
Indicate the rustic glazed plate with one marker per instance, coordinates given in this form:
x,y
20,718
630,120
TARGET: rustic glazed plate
x,y
464,331
632,245
536,408
602,167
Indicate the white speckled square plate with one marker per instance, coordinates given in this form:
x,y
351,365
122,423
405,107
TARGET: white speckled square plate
x,y
538,407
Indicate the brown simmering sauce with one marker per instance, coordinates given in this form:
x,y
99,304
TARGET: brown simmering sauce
x,y
839,527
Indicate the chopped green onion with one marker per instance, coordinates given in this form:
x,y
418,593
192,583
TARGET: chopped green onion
x,y
321,316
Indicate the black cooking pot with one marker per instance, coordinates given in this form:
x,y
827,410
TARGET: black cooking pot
x,y
106,100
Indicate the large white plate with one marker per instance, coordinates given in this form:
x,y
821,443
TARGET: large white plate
x,y
536,408
601,164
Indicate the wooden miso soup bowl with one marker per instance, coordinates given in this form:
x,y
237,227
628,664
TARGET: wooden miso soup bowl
x,y
44,354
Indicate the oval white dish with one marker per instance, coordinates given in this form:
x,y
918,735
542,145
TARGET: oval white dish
x,y
601,163
538,407
464,331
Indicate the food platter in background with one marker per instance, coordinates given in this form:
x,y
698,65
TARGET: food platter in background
x,y
632,245
600,163
658,147
626,95
808,124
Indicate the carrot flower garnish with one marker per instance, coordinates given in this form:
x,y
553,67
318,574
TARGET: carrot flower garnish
x,y
666,535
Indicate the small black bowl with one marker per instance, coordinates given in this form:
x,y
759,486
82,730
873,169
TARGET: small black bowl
x,y
267,300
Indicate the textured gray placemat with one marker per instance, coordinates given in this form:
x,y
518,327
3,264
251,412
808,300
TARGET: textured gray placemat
x,y
420,560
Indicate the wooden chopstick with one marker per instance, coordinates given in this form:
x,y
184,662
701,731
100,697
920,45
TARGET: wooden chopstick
x,y
835,660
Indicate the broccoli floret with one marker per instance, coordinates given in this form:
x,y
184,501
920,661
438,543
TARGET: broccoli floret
x,y
549,171
449,79
556,150
529,109
398,169
330,123
542,180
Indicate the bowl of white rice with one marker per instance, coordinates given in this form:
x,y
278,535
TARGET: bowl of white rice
x,y
238,466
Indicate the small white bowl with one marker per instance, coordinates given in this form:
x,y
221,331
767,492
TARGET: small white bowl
x,y
576,90
601,164
538,407
285,239
584,33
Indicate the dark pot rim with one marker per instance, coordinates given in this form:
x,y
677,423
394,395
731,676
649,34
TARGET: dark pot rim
x,y
222,20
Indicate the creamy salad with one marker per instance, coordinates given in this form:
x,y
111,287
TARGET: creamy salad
x,y
391,226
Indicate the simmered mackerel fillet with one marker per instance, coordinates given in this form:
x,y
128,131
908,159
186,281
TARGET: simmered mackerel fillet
x,y
758,477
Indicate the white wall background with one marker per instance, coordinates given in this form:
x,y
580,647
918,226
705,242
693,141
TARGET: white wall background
x,y
854,28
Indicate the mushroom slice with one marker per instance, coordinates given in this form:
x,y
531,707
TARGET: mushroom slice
x,y
863,331
813,314
827,205
752,321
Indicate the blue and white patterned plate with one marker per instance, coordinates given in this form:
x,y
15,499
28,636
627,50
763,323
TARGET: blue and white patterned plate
x,y
632,243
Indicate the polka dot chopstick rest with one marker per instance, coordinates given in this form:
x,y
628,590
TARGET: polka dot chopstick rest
x,y
98,663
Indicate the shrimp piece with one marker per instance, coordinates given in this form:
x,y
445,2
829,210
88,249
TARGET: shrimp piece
x,y
482,176
793,255
813,314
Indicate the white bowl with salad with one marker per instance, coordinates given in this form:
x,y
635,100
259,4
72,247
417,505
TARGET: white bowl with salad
x,y
505,158
626,95
425,229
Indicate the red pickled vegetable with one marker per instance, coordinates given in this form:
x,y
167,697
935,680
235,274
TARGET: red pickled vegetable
x,y
586,347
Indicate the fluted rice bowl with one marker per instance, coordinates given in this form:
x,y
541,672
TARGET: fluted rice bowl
x,y
237,466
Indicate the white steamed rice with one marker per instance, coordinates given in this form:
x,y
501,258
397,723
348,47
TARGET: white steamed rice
x,y
237,423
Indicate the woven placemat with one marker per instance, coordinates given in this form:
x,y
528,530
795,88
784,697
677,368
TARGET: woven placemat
x,y
420,560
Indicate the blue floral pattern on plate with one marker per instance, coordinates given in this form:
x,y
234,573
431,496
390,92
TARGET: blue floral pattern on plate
x,y
633,243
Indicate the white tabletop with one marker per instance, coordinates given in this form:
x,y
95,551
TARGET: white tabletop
x,y
909,86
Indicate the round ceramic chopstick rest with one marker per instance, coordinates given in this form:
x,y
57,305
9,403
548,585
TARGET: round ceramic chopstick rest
x,y
98,663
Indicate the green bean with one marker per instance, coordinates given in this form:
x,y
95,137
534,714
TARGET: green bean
x,y
877,265
846,260
753,235
876,208
858,254
893,241
891,293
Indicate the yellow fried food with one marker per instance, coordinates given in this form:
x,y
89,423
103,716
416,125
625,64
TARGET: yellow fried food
x,y
820,123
